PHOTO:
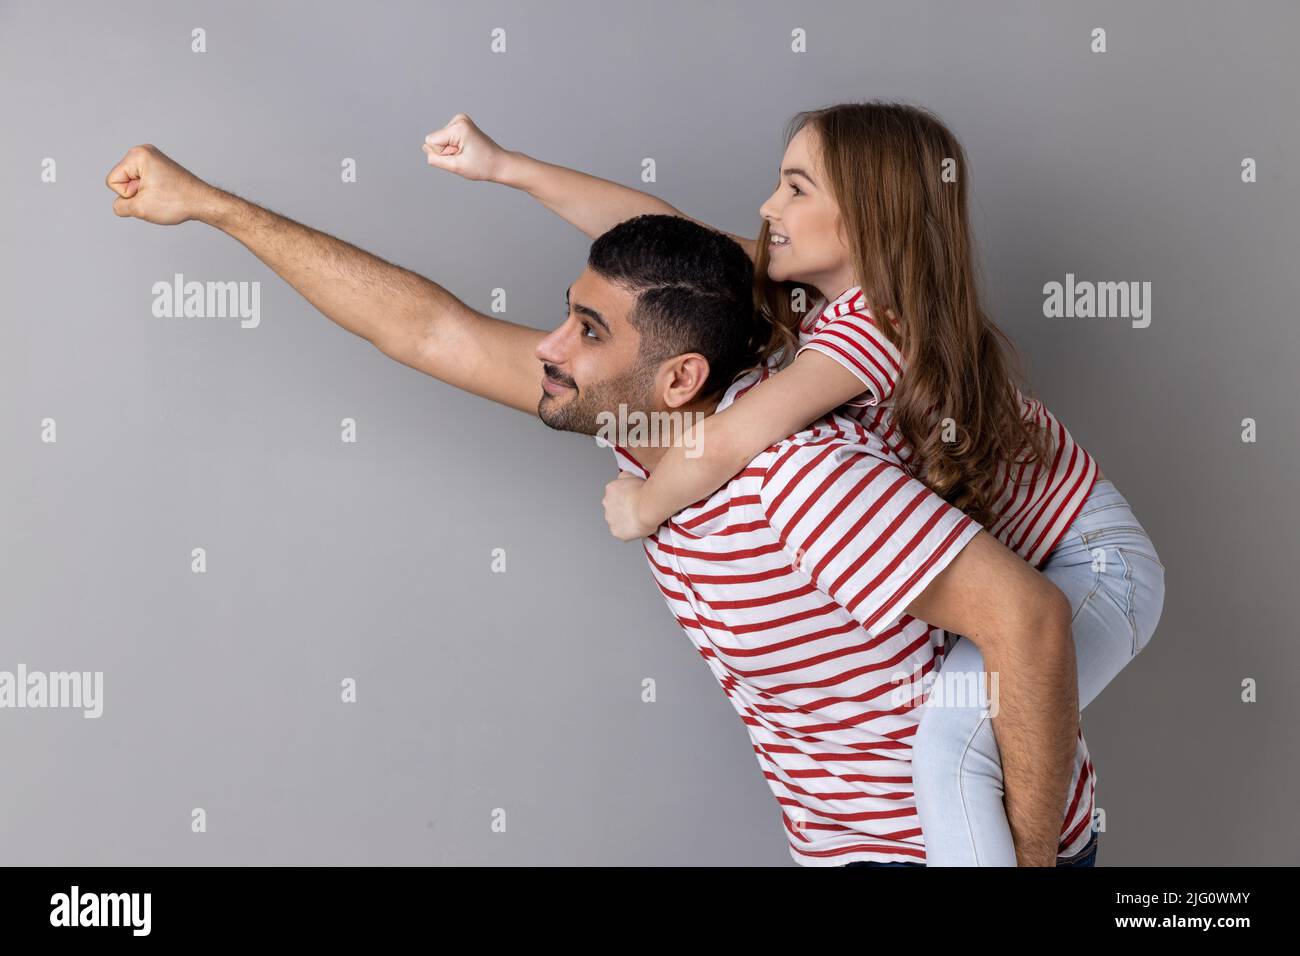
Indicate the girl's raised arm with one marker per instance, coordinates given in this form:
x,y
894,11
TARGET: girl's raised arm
x,y
591,204
777,407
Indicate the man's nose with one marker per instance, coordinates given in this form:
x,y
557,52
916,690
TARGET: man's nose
x,y
551,349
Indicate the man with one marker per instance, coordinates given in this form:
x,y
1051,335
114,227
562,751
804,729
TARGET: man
x,y
817,584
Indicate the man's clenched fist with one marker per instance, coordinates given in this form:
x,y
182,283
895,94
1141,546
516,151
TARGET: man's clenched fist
x,y
151,187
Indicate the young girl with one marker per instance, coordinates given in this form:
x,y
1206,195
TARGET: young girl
x,y
869,220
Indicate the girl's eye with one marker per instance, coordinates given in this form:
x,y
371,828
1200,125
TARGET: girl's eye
x,y
797,190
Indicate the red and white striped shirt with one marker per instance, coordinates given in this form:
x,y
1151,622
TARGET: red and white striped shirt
x,y
1035,505
792,581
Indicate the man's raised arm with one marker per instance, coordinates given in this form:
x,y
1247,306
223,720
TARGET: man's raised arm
x,y
405,316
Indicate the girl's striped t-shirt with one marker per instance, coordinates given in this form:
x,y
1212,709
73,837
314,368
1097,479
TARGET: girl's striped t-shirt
x,y
1036,503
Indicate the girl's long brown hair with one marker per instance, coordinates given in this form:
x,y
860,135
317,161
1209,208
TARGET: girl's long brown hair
x,y
905,224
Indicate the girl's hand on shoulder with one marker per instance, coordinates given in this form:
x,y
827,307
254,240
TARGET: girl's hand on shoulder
x,y
462,148
621,498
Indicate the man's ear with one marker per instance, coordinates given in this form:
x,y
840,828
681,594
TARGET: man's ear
x,y
685,378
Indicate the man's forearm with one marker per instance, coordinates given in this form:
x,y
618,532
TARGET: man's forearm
x,y
404,315
1037,727
383,303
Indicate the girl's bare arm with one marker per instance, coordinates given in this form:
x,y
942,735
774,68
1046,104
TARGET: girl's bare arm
x,y
786,402
591,204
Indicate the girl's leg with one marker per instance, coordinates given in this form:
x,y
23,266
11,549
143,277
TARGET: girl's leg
x,y
1109,570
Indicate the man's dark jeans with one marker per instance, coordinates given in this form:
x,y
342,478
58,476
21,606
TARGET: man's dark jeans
x,y
1085,857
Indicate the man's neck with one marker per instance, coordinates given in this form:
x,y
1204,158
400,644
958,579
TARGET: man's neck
x,y
650,455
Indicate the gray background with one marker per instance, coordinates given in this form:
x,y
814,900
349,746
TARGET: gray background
x,y
522,690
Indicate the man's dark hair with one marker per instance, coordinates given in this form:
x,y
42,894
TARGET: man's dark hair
x,y
695,289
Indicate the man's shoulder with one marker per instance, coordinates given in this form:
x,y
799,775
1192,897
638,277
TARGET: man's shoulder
x,y
826,454
831,433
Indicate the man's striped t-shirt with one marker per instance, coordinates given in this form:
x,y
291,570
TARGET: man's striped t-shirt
x,y
1036,504
792,582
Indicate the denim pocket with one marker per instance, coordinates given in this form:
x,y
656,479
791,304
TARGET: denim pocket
x,y
1146,577
1132,582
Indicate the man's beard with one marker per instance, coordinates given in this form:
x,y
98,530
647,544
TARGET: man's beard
x,y
578,410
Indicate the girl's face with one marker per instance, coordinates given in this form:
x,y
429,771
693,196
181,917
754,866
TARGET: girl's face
x,y
804,241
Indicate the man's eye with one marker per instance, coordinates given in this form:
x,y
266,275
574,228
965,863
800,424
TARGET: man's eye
x,y
587,328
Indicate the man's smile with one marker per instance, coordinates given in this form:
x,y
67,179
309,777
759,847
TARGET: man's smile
x,y
553,387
